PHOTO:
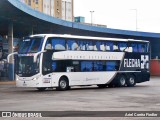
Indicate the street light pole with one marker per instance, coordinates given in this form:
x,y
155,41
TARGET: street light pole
x,y
136,11
91,17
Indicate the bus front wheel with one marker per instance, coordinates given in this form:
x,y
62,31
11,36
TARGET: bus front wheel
x,y
63,84
131,81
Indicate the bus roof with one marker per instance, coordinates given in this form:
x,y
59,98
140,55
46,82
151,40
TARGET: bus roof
x,y
87,37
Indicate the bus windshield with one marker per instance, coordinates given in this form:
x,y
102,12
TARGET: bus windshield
x,y
31,45
25,67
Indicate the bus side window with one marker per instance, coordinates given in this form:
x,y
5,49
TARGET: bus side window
x,y
76,66
111,66
122,46
109,46
54,66
115,47
89,46
58,44
82,45
134,47
102,46
86,66
142,48
48,45
72,45
97,46
47,66
98,66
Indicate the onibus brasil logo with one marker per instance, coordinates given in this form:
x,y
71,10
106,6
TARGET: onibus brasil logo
x,y
142,63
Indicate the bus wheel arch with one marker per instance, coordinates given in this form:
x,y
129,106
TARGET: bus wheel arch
x,y
63,83
131,80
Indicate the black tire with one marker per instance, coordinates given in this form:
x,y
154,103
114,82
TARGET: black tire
x,y
63,84
131,82
121,81
41,89
102,86
110,85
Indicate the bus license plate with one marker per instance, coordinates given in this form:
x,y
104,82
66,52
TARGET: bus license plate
x,y
24,84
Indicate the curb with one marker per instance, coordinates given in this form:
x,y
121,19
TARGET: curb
x,y
8,83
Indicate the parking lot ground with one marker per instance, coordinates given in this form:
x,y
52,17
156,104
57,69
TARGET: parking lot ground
x,y
143,97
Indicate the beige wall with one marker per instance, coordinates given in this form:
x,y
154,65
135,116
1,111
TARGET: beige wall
x,y
34,5
58,8
54,8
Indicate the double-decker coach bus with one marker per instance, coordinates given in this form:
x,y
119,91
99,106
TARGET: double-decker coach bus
x,y
62,61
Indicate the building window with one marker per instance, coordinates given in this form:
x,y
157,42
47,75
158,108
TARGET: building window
x,y
29,2
36,1
57,3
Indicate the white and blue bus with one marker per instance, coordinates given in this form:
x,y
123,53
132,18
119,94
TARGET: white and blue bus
x,y
62,61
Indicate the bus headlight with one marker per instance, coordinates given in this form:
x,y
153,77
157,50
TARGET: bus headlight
x,y
35,79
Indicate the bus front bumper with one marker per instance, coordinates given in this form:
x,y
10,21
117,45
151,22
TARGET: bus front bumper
x,y
24,82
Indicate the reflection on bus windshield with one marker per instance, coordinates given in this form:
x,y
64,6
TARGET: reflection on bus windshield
x,y
26,66
31,45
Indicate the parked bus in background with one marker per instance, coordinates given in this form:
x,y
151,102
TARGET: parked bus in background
x,y
1,56
4,47
1,48
62,61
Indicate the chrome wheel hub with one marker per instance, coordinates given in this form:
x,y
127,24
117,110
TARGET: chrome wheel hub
x,y
63,84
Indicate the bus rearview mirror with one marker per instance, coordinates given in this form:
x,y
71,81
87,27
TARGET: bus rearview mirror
x,y
36,55
8,57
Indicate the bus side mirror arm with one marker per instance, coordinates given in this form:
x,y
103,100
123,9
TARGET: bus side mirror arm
x,y
15,53
36,55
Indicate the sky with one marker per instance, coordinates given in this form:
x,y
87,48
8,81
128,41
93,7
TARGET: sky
x,y
121,14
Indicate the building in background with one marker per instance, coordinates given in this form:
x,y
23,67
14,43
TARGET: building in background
x,y
67,10
62,9
35,4
48,7
79,19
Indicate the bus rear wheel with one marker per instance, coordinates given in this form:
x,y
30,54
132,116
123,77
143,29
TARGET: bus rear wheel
x,y
63,84
131,81
121,81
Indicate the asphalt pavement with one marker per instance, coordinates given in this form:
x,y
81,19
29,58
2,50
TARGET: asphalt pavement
x,y
143,97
